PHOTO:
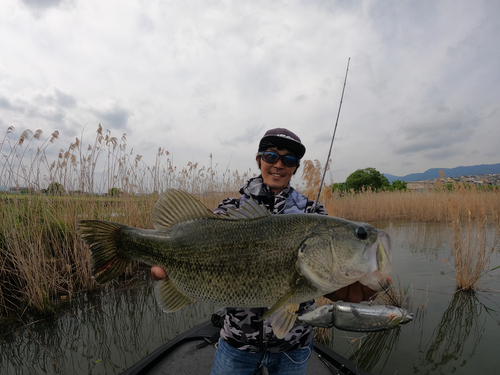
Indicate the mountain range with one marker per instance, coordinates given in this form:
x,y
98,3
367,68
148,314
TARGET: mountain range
x,y
433,173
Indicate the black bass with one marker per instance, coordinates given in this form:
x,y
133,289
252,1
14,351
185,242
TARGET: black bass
x,y
248,258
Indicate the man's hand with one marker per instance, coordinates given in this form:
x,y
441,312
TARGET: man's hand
x,y
158,273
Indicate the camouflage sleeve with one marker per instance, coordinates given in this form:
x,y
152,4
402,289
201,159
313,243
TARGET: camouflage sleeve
x,y
320,209
225,204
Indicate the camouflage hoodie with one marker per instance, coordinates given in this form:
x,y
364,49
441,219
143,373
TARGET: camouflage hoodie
x,y
242,328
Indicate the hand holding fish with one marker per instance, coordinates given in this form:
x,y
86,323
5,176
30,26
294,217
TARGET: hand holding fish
x,y
158,273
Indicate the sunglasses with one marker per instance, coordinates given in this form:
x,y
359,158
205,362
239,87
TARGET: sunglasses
x,y
273,157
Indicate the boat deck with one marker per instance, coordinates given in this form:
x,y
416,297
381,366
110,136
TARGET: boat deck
x,y
193,353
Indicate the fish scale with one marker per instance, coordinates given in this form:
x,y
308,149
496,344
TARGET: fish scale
x,y
246,259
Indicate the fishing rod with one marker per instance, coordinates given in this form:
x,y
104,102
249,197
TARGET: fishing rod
x,y
333,137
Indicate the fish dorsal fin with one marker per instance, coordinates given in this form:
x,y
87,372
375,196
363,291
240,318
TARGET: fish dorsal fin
x,y
248,210
176,206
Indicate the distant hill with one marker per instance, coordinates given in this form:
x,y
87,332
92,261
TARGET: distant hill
x,y
433,173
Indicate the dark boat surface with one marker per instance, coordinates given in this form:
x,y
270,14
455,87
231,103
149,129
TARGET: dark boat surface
x,y
193,352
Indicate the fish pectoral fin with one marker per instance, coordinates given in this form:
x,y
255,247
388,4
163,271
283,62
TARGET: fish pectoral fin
x,y
282,315
169,298
283,300
283,320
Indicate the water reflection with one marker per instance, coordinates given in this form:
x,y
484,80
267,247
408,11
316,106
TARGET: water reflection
x,y
455,333
100,334
375,348
455,340
456,337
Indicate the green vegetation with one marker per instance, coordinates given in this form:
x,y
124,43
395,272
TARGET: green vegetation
x,y
364,179
368,179
114,192
398,185
54,188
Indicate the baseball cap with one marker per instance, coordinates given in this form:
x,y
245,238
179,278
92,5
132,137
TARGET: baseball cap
x,y
283,138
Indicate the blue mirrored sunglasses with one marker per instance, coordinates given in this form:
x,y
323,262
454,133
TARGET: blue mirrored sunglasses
x,y
273,157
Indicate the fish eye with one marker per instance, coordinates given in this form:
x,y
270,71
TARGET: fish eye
x,y
361,233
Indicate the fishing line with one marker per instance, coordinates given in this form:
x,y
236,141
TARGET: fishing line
x,y
333,137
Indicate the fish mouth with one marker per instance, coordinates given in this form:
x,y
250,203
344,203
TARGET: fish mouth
x,y
379,255
383,252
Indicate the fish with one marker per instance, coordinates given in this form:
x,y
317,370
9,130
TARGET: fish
x,y
247,258
357,317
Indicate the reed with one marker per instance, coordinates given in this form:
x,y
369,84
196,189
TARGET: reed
x,y
442,203
471,252
42,258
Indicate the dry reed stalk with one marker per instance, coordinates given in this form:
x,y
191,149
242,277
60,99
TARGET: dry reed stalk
x,y
322,334
471,252
42,256
438,204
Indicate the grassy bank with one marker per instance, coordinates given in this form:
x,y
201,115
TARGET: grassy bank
x,y
43,260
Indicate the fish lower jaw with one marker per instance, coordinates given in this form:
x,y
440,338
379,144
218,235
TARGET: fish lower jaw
x,y
375,280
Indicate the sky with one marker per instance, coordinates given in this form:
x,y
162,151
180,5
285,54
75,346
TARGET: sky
x,y
206,77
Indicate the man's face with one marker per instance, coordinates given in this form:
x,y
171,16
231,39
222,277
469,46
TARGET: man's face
x,y
276,176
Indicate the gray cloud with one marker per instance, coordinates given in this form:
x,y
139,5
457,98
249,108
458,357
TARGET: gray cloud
x,y
423,83
323,137
440,133
51,104
115,117
250,135
4,103
42,4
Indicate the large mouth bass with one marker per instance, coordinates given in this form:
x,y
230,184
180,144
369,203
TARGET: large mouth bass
x,y
248,258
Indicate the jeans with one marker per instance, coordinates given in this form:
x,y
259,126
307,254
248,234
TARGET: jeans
x,y
231,361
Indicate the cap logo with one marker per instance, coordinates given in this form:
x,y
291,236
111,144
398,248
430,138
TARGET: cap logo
x,y
285,136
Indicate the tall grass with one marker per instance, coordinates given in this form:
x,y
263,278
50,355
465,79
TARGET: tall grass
x,y
42,258
435,205
471,252
439,204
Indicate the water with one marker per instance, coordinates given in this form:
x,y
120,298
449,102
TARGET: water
x,y
100,334
453,333
110,331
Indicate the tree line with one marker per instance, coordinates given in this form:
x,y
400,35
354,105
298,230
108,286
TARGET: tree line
x,y
368,179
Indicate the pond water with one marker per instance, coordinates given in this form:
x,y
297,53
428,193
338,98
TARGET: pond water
x,y
454,333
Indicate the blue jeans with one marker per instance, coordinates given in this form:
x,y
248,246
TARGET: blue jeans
x,y
231,361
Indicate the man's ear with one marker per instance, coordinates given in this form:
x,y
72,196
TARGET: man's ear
x,y
257,159
296,169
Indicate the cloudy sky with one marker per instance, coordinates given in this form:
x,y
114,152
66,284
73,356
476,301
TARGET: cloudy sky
x,y
208,77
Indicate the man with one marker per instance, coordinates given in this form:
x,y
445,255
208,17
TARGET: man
x,y
247,343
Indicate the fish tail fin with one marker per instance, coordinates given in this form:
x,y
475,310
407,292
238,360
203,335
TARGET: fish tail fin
x,y
101,236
